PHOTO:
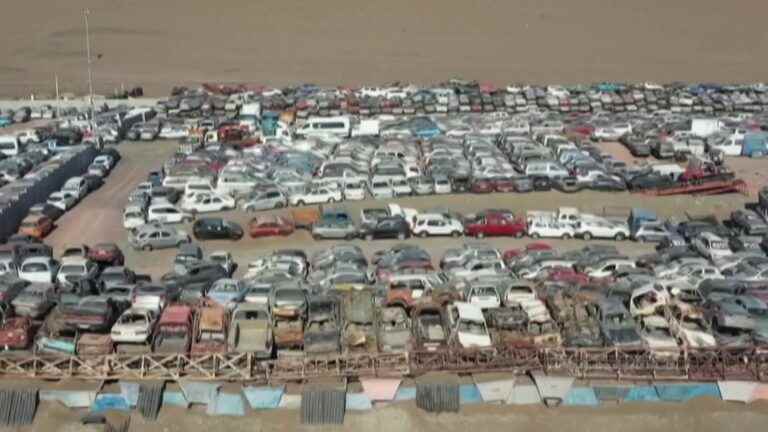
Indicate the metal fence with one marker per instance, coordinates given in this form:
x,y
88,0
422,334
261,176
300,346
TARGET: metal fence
x,y
16,203
319,407
17,407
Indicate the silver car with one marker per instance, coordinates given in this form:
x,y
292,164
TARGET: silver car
x,y
157,236
264,200
423,185
334,229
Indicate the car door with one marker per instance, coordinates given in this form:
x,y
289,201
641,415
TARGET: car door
x,y
166,239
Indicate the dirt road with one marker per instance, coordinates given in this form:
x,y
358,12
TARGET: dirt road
x,y
159,44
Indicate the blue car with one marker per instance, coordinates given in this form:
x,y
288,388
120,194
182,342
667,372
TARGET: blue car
x,y
5,121
228,292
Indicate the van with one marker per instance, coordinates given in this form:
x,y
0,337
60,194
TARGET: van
x,y
326,126
10,145
547,169
37,226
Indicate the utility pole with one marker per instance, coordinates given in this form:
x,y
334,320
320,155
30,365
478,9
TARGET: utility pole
x,y
87,12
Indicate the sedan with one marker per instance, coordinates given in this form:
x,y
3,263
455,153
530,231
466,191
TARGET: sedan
x,y
228,292
265,226
62,200
216,229
135,325
264,200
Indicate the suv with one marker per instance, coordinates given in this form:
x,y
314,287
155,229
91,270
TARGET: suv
x,y
436,225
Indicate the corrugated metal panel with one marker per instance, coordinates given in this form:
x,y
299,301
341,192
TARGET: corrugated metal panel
x,y
150,400
320,407
437,397
18,407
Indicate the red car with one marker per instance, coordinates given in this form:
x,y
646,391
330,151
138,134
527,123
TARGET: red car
x,y
106,253
16,333
496,225
266,226
567,275
481,186
537,246
504,185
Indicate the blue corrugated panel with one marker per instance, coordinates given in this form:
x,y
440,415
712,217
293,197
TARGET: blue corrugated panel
x,y
172,398
130,392
107,402
611,393
264,397
405,393
642,394
358,402
469,394
227,404
581,396
685,392
70,399
199,392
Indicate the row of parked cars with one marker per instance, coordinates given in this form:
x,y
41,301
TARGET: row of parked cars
x,y
698,290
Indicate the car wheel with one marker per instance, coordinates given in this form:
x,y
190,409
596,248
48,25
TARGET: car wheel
x,y
186,220
587,236
455,234
331,200
422,234
147,248
519,234
620,236
316,237
278,205
369,237
535,235
566,236
641,239
401,236
480,234
300,203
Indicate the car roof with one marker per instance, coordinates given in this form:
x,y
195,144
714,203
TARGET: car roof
x,y
469,311
38,259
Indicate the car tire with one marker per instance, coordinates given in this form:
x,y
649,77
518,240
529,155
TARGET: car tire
x,y
300,203
535,235
455,234
619,236
186,220
519,234
422,234
587,236
641,239
278,205
480,234
566,236
147,248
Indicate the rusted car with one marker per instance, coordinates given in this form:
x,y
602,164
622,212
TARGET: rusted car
x,y
93,313
173,333
107,253
211,325
251,330
36,226
266,226
359,311
15,332
393,330
322,332
94,344
430,327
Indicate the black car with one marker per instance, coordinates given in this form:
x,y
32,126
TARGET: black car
x,y
45,209
93,182
608,184
387,227
216,229
196,282
650,181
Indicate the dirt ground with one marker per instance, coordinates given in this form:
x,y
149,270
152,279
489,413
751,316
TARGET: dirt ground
x,y
99,216
159,44
700,415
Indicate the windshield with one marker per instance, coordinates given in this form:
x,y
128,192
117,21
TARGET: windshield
x,y
112,277
472,327
34,267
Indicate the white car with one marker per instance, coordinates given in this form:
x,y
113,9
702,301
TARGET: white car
x,y
689,326
443,185
134,326
205,202
62,199
133,217
106,161
602,228
436,225
538,228
354,191
608,267
77,186
711,246
77,267
656,335
381,189
167,213
401,187
318,195
468,327
673,268
38,269
478,268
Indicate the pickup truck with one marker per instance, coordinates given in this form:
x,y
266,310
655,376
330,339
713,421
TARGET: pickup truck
x,y
305,217
210,330
173,333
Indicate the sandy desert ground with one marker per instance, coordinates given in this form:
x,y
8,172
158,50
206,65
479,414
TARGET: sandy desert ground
x,y
158,44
